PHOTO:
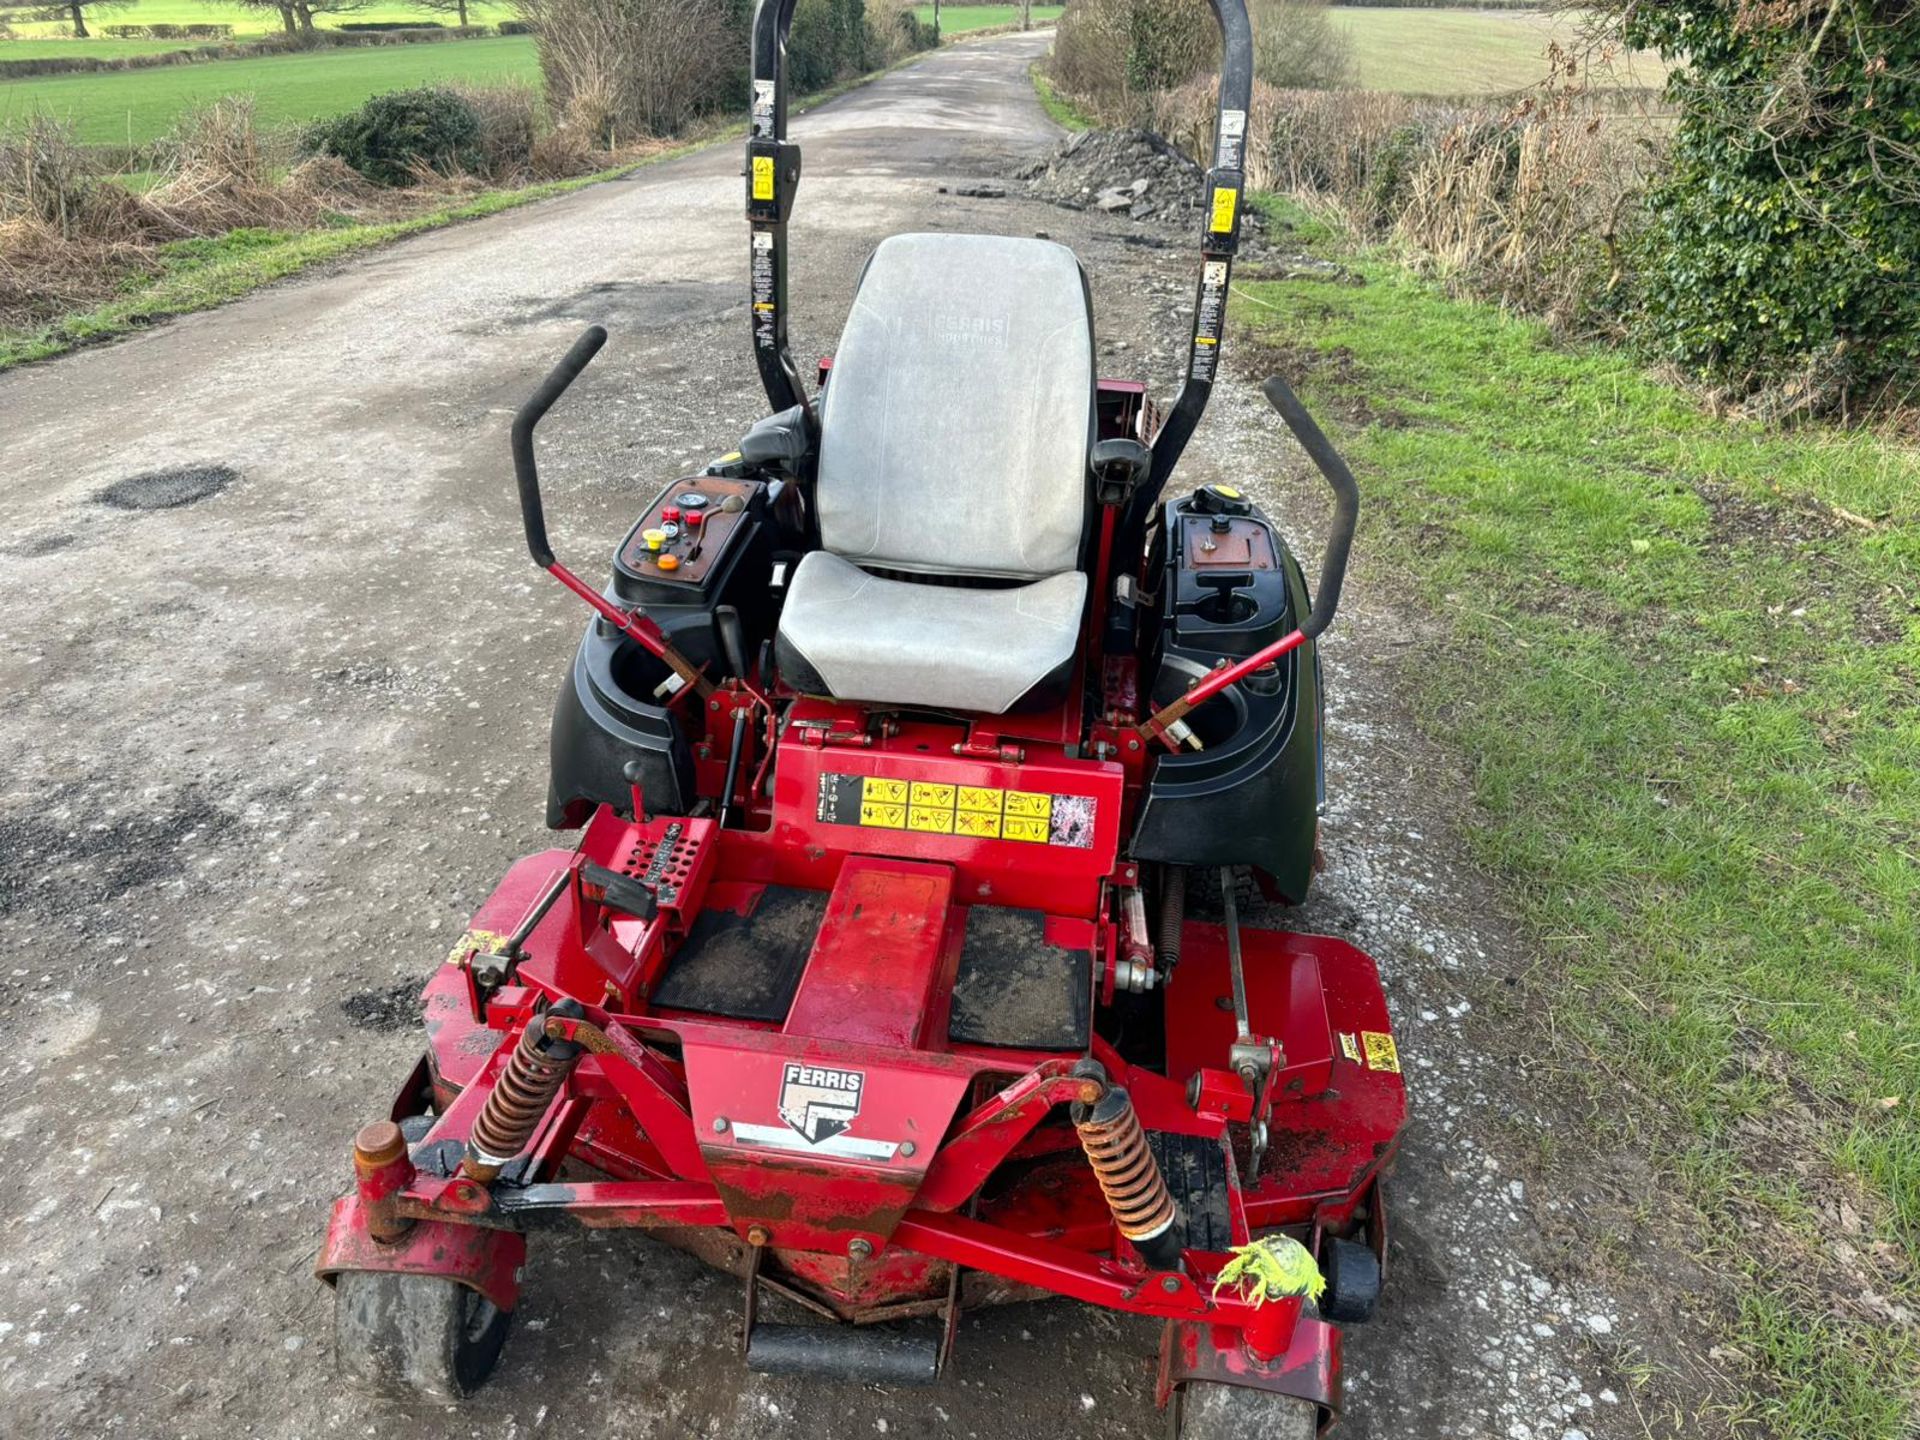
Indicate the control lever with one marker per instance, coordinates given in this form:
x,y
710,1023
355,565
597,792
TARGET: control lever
x,y
733,640
627,894
733,643
1168,725
1251,1057
1119,465
634,623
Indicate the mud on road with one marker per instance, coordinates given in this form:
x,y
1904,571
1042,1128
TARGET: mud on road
x,y
276,722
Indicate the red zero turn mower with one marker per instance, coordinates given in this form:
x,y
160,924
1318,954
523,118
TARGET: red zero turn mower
x,y
895,740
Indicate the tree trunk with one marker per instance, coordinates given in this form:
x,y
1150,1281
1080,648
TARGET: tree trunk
x,y
306,16
79,20
1026,14
463,14
286,20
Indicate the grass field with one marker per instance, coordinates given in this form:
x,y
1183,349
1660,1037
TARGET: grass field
x,y
958,19
245,23
1678,655
1471,52
135,106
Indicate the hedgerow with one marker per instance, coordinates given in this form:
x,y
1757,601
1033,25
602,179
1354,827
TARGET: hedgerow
x,y
1782,245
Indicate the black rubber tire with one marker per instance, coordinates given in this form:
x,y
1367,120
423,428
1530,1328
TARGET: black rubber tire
x,y
415,1333
1201,1410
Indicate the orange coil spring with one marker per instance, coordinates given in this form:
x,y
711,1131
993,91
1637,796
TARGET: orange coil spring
x,y
1116,1147
521,1095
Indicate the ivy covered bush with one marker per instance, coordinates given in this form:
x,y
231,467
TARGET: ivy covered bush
x,y
392,135
1782,247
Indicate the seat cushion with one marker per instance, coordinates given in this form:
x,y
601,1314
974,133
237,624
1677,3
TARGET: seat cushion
x,y
955,425
856,636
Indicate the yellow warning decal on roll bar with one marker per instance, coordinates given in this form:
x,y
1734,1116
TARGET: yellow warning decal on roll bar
x,y
763,177
1224,202
980,812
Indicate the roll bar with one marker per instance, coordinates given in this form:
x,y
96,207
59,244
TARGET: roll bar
x,y
773,175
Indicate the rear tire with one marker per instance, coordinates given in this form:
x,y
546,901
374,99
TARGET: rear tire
x,y
1200,1410
416,1333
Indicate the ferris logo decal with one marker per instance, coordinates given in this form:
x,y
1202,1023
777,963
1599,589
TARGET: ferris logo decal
x,y
819,1102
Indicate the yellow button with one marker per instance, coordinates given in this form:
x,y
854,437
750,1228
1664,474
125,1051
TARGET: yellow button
x,y
654,538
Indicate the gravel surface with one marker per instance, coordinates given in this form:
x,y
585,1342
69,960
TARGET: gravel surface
x,y
272,742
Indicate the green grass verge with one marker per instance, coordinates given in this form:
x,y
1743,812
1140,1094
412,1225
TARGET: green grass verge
x,y
958,19
132,107
1062,111
1470,52
201,273
1688,688
247,24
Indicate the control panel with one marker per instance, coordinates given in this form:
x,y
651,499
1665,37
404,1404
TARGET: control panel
x,y
686,534
1227,581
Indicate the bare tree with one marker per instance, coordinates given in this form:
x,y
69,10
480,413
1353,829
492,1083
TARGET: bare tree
x,y
72,11
1298,46
447,7
296,16
624,68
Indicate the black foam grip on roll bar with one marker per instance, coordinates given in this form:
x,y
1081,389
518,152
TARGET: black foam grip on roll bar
x,y
524,469
1346,501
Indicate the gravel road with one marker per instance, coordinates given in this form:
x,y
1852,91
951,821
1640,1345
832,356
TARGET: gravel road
x,y
278,721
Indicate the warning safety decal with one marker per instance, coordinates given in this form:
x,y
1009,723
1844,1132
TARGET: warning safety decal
x,y
1382,1053
981,812
1225,201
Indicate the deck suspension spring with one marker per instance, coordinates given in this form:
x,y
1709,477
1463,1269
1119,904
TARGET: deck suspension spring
x,y
1136,1191
534,1073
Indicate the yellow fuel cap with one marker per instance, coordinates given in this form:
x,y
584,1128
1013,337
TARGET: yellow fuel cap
x,y
654,538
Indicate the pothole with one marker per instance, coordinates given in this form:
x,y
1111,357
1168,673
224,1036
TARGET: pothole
x,y
397,1007
168,489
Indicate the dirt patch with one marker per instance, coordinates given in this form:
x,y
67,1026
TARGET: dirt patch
x,y
1792,527
1255,356
168,489
395,1008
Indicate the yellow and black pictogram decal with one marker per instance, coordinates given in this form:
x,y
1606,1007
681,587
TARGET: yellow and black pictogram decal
x,y
976,811
1382,1053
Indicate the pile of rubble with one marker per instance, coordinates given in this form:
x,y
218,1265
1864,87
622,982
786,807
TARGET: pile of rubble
x,y
1130,173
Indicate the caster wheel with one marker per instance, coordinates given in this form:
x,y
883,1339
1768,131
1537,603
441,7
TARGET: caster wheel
x,y
1353,1283
415,1333
1203,1411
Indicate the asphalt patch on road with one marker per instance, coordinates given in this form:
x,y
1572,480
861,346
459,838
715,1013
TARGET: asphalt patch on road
x,y
168,489
35,546
640,305
396,1007
79,867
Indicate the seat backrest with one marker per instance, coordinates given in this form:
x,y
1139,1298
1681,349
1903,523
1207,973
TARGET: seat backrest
x,y
954,435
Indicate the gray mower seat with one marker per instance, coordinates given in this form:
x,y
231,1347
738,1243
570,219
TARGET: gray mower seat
x,y
952,486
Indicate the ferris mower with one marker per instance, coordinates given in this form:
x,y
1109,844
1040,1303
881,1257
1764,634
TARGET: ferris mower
x,y
870,980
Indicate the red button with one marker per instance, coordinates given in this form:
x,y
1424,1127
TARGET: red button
x,y
695,519
670,515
